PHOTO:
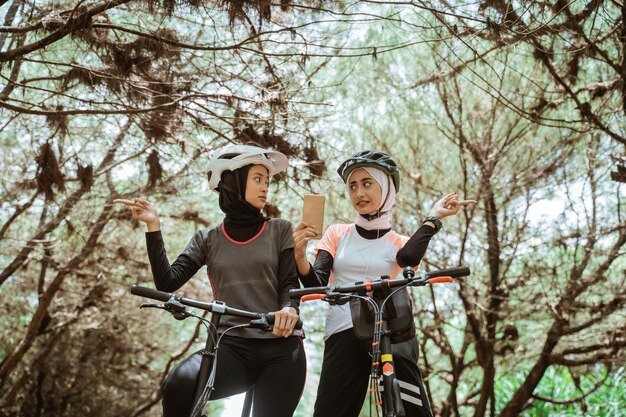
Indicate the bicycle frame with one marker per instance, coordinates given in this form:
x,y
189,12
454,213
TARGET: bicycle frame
x,y
175,304
382,358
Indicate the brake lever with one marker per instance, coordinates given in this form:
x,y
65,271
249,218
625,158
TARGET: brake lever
x,y
260,323
161,306
172,306
338,300
176,308
417,281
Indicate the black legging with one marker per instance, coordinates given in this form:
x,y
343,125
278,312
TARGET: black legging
x,y
276,368
345,376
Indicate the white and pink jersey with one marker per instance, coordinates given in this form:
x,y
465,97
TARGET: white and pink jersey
x,y
356,259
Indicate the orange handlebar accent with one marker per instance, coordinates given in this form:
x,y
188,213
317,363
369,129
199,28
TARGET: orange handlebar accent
x,y
368,285
439,280
310,297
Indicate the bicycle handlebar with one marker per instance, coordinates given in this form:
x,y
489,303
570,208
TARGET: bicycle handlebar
x,y
455,272
213,307
150,293
411,278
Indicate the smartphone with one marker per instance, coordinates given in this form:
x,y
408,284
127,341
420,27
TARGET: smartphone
x,y
313,212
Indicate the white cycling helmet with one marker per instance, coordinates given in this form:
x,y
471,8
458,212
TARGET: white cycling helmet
x,y
233,157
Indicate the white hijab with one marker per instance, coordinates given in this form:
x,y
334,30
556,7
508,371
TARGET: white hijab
x,y
382,219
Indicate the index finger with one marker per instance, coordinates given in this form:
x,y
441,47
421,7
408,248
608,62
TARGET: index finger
x,y
125,202
467,202
447,198
301,226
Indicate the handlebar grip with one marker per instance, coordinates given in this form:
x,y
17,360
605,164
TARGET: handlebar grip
x,y
150,293
310,297
271,318
295,294
440,280
456,272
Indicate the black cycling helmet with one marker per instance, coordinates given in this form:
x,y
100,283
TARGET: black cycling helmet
x,y
374,159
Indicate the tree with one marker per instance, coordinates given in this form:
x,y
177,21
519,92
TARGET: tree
x,y
107,110
471,141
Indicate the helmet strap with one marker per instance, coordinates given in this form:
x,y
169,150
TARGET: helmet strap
x,y
374,215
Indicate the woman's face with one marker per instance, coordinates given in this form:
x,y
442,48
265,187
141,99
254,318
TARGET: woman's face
x,y
365,193
257,185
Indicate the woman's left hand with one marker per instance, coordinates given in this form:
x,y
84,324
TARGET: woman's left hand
x,y
284,321
449,205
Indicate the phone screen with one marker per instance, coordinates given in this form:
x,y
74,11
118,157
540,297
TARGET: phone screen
x,y
313,212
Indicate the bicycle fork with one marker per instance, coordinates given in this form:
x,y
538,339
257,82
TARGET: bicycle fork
x,y
381,349
206,366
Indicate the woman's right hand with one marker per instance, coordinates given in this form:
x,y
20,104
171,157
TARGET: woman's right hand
x,y
302,234
449,205
142,211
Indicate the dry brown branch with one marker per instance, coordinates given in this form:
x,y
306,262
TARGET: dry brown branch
x,y
74,23
12,359
19,210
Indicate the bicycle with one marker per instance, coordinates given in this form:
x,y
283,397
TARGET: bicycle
x,y
381,303
175,304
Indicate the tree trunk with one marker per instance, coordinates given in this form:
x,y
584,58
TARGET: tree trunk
x,y
624,57
525,391
486,392
8,19
486,345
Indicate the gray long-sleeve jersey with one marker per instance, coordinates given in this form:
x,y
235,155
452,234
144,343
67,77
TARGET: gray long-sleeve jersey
x,y
255,275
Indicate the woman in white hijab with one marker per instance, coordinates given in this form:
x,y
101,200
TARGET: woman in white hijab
x,y
360,251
